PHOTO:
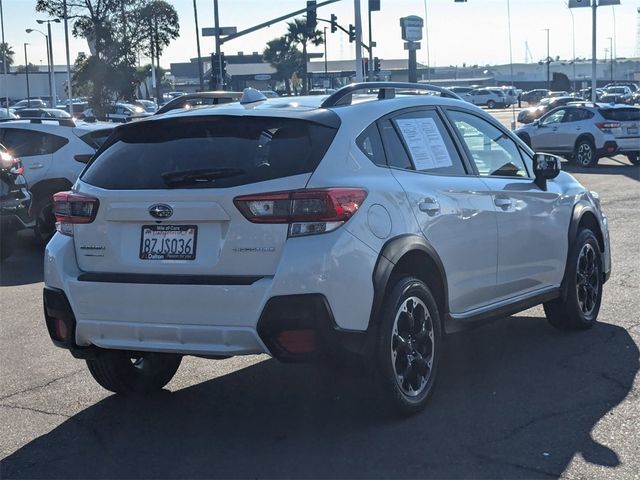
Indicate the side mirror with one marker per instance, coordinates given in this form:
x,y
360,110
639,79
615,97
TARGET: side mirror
x,y
545,167
83,158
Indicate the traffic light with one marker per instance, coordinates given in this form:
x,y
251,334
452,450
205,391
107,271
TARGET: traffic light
x,y
312,19
334,23
352,33
218,75
376,64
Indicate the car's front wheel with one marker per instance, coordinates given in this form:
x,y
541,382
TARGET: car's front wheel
x,y
491,104
578,309
585,153
409,346
128,372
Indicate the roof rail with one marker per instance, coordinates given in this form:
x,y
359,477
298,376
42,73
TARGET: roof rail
x,y
385,90
63,122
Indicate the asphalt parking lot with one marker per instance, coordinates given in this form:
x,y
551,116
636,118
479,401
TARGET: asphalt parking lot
x,y
515,399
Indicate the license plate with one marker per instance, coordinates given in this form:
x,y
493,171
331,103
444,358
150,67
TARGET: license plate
x,y
168,242
632,130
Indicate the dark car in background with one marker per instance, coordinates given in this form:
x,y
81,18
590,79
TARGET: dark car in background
x,y
533,97
528,115
198,99
15,201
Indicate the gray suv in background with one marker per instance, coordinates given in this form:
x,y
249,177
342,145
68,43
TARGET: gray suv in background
x,y
585,132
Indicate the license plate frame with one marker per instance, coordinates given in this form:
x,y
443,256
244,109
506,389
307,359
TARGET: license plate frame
x,y
632,130
173,251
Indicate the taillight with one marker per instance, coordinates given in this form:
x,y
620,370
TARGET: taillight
x,y
606,126
13,165
72,208
306,211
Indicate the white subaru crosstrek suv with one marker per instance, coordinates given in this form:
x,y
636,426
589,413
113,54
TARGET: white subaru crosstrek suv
x,y
348,226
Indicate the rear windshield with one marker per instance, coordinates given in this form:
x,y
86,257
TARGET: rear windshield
x,y
621,114
211,152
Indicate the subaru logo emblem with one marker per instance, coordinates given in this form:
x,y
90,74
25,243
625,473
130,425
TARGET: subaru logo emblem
x,y
160,210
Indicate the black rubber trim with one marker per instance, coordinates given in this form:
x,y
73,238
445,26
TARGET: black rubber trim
x,y
141,278
603,152
453,325
391,253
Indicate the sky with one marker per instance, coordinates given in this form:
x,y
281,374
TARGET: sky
x,y
475,32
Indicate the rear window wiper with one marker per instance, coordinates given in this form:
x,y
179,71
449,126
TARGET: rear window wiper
x,y
194,176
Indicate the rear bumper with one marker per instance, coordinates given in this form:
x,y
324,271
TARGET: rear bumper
x,y
14,211
214,319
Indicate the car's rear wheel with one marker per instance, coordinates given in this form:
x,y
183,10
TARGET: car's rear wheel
x,y
129,372
579,308
409,346
634,158
45,224
491,104
585,153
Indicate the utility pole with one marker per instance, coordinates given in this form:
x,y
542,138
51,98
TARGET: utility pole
x,y
26,69
611,54
66,41
52,78
47,43
370,72
200,72
326,69
358,26
548,63
594,57
216,21
4,62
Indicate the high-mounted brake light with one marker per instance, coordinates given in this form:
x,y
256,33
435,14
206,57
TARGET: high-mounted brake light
x,y
608,125
72,208
306,211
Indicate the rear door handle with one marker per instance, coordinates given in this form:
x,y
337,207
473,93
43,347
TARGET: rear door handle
x,y
36,166
429,205
502,202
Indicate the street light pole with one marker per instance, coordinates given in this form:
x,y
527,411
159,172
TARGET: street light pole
x,y
200,72
594,57
26,65
52,74
548,63
358,26
4,62
573,36
46,39
66,41
611,55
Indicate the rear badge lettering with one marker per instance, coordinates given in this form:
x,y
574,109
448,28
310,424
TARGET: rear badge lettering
x,y
254,249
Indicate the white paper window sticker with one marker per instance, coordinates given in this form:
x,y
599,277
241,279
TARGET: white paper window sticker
x,y
425,143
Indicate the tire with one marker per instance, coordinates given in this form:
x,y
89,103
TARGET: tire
x,y
634,158
128,373
491,104
418,353
7,244
585,153
45,222
579,309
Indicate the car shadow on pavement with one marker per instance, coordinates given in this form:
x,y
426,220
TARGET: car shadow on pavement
x,y
613,166
515,399
25,265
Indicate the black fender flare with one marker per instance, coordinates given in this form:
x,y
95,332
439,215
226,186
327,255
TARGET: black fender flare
x,y
44,189
579,210
391,253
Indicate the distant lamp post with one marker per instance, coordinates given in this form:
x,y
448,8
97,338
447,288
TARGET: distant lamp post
x,y
611,55
52,73
548,62
46,39
26,69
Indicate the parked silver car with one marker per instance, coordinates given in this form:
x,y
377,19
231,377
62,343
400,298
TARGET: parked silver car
x,y
585,132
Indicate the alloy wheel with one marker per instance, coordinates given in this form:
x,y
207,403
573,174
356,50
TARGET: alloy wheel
x,y
412,346
588,279
585,154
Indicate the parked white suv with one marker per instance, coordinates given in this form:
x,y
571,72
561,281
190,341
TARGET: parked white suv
x,y
53,152
585,132
343,226
489,97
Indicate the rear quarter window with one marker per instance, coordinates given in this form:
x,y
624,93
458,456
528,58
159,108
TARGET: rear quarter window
x,y
208,152
27,143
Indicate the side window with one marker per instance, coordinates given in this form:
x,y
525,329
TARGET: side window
x,y
396,154
429,143
370,143
25,143
554,117
492,151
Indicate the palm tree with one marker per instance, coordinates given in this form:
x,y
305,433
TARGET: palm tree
x,y
6,52
284,57
299,34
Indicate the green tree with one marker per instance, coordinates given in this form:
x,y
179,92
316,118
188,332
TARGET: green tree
x,y
284,57
300,35
6,51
